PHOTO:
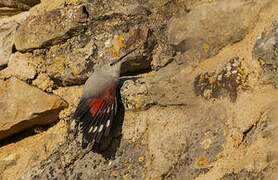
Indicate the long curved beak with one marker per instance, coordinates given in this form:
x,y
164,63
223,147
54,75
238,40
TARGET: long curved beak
x,y
122,57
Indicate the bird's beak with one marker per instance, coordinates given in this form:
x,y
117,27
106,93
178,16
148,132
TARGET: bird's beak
x,y
122,57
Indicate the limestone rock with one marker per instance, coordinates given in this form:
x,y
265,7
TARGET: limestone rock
x,y
23,107
50,28
22,5
74,61
182,139
7,162
49,5
173,121
265,52
7,36
134,95
20,66
43,82
207,28
7,32
13,7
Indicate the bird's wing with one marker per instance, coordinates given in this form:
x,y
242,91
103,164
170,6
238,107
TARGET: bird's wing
x,y
95,115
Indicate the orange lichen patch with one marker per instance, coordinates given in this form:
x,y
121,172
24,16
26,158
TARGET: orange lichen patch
x,y
132,33
240,71
206,47
137,101
141,159
202,161
116,45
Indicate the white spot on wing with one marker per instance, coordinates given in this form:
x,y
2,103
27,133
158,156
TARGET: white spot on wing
x,y
100,128
108,123
91,129
95,129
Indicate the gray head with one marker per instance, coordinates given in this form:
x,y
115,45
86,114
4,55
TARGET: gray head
x,y
115,67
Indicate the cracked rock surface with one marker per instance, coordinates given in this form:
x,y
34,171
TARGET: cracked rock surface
x,y
198,99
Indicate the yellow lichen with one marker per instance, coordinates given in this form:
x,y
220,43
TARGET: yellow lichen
x,y
72,70
240,70
202,161
125,176
222,116
206,47
137,102
207,133
262,62
116,45
228,74
141,159
207,93
202,78
206,143
126,163
211,80
61,63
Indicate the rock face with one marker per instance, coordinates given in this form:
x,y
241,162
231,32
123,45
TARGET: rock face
x,y
13,7
266,53
23,106
191,35
198,98
7,32
49,28
19,4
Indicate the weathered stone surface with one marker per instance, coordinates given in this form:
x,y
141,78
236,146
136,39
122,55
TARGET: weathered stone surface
x,y
23,106
7,36
265,52
22,5
7,162
49,5
164,129
50,28
14,7
180,140
135,95
7,32
43,82
20,66
207,28
74,61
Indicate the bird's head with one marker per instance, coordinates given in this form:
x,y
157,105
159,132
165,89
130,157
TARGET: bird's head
x,y
115,67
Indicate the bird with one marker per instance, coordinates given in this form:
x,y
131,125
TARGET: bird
x,y
97,107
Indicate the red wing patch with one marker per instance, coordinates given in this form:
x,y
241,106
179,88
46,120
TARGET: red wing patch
x,y
95,115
